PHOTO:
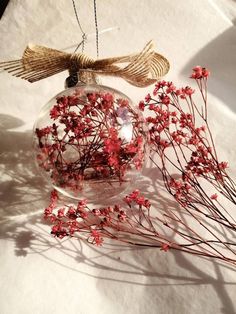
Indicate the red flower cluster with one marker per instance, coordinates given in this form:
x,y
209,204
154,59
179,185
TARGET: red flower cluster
x,y
173,127
70,219
136,198
92,136
200,73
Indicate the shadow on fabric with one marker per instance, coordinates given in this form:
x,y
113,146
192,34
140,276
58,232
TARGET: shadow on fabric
x,y
219,56
22,188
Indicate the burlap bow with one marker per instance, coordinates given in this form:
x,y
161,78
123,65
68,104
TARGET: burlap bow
x,y
141,69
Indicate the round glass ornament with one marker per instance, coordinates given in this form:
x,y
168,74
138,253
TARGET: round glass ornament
x,y
90,142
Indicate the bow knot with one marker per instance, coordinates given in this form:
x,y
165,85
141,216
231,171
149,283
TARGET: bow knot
x,y
80,61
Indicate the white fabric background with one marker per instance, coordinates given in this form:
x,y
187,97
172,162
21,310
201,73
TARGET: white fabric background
x,y
40,274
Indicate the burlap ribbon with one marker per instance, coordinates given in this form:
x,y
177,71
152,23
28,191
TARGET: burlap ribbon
x,y
141,69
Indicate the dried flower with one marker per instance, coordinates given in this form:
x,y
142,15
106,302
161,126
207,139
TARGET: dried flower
x,y
186,157
91,137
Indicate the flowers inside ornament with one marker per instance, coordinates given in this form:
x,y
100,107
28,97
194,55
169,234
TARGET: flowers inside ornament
x,y
91,142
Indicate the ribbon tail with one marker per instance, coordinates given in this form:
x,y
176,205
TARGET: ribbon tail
x,y
146,68
143,69
159,66
37,63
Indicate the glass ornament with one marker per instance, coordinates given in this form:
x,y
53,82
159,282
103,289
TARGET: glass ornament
x,y
90,142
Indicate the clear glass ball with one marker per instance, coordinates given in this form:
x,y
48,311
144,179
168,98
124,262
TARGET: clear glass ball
x,y
90,142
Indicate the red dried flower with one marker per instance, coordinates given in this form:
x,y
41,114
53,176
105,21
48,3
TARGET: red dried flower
x,y
93,137
165,247
187,160
214,196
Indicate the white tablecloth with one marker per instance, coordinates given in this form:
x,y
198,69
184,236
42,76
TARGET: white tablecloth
x,y
41,274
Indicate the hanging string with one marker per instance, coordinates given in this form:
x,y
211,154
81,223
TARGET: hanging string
x,y
96,25
84,37
91,35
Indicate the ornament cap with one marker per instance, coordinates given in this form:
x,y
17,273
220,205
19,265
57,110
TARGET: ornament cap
x,y
84,77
